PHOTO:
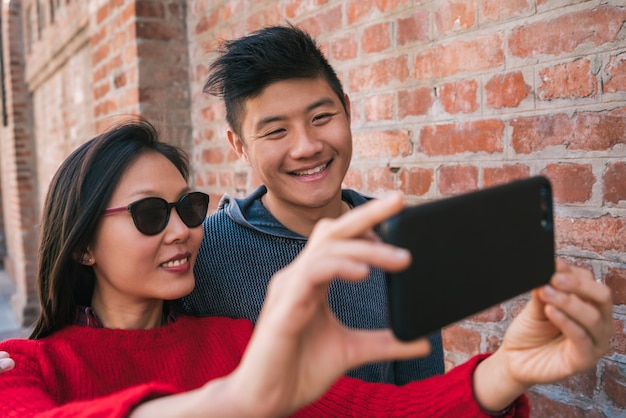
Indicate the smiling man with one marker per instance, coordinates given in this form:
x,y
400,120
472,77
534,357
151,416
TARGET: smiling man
x,y
289,119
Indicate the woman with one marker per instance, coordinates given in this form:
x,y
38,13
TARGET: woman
x,y
120,234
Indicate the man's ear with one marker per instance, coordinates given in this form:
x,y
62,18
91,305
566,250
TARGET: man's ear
x,y
238,146
348,110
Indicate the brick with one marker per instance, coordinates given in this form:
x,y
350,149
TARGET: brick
x,y
358,10
414,28
457,179
385,144
415,181
493,343
455,15
618,341
376,38
100,54
207,21
160,30
614,181
583,383
414,102
461,340
507,173
506,90
354,179
571,182
149,9
271,15
567,32
101,90
213,155
449,139
542,407
99,36
294,8
615,74
379,107
378,74
589,131
226,179
569,80
379,178
493,314
614,384
345,48
102,13
115,64
599,235
210,178
323,22
615,279
459,97
483,53
493,10
127,15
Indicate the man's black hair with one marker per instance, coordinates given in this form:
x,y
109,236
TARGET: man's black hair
x,y
247,65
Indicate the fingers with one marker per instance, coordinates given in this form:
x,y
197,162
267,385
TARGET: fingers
x,y
580,307
360,220
6,363
380,345
580,282
351,259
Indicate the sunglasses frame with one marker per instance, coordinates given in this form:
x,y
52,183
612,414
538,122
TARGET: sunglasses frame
x,y
169,205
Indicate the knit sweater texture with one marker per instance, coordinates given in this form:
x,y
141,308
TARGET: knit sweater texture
x,y
94,372
244,245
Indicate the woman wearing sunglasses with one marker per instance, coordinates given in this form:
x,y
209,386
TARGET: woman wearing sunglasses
x,y
120,234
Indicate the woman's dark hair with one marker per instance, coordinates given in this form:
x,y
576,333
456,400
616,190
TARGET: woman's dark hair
x,y
249,64
77,197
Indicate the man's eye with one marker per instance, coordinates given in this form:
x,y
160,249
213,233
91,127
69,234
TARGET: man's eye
x,y
275,133
322,117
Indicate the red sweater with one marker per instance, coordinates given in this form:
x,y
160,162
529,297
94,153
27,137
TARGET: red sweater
x,y
84,371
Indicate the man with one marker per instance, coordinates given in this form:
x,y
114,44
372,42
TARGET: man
x,y
289,119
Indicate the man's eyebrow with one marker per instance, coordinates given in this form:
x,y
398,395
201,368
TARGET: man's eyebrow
x,y
322,102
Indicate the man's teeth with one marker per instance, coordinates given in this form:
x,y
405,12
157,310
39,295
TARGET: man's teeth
x,y
176,263
314,170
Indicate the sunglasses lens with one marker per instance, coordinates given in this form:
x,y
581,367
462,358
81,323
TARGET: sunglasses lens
x,y
192,208
150,215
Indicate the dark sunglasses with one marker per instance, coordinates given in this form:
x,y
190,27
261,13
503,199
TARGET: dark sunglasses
x,y
152,214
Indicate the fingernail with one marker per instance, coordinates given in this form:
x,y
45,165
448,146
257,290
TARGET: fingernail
x,y
5,363
562,279
548,291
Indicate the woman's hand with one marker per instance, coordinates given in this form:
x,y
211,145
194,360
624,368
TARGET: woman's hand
x,y
564,329
6,362
299,347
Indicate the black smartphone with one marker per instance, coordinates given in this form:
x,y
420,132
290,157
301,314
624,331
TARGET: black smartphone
x,y
470,252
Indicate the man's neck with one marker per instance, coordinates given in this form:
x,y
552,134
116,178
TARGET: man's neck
x,y
302,219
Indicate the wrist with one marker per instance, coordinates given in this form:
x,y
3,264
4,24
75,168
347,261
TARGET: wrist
x,y
495,389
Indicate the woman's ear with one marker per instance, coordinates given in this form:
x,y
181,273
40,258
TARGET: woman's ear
x,y
86,259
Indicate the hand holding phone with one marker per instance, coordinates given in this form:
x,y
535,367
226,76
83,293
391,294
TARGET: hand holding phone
x,y
469,252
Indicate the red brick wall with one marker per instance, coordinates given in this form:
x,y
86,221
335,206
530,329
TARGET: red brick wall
x,y
450,96
447,97
18,179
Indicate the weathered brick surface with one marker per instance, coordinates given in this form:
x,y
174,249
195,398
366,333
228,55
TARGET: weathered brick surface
x,y
448,96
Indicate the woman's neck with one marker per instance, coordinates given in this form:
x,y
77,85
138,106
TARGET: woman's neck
x,y
115,314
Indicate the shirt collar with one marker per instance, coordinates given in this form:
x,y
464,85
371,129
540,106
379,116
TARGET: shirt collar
x,y
85,316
